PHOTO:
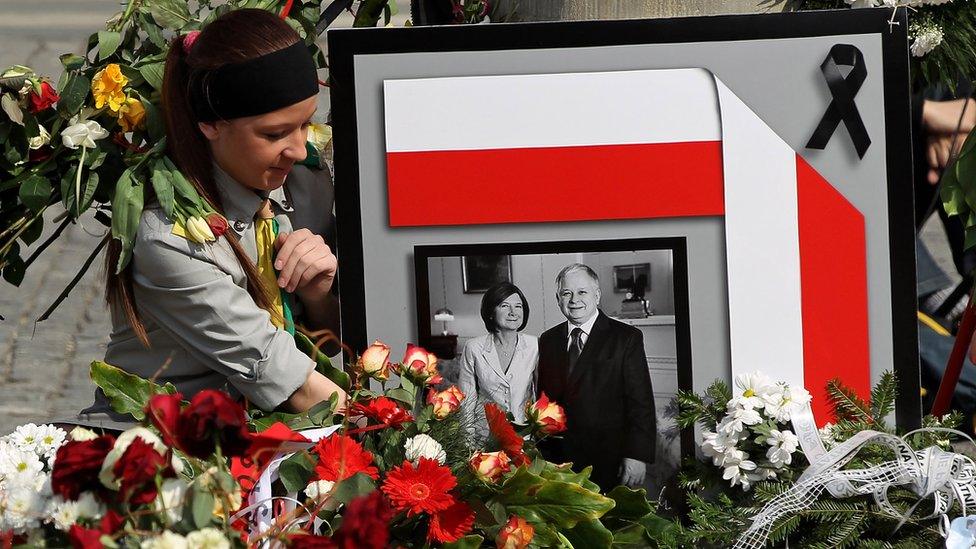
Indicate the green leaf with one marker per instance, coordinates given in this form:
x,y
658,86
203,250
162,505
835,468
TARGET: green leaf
x,y
72,97
564,473
33,231
154,121
127,393
169,14
153,73
296,422
35,192
108,43
590,533
152,31
402,395
563,504
296,471
353,487
72,62
89,183
629,504
13,271
127,204
162,183
323,410
467,542
322,363
202,506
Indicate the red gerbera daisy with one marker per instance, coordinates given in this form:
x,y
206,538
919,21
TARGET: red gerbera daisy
x,y
341,457
382,410
502,431
420,489
451,524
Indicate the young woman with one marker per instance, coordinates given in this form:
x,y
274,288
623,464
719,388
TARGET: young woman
x,y
237,99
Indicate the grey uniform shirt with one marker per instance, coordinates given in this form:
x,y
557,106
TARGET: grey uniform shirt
x,y
205,330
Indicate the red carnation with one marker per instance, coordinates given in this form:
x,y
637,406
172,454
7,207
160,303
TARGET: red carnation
x,y
164,413
90,538
212,418
47,98
424,489
365,523
137,470
217,223
451,524
341,457
503,432
77,464
382,410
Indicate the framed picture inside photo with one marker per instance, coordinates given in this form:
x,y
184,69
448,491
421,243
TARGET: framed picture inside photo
x,y
480,272
800,260
632,278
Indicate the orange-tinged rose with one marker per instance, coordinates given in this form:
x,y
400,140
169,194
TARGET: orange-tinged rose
x,y
107,87
516,534
548,417
419,365
445,402
490,466
375,362
131,114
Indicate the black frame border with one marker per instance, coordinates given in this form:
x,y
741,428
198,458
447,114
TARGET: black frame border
x,y
345,44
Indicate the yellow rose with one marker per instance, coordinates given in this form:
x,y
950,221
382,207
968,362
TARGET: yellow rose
x,y
446,401
107,87
516,534
131,114
374,361
490,466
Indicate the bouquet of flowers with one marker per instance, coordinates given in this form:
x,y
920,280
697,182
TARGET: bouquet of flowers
x,y
395,466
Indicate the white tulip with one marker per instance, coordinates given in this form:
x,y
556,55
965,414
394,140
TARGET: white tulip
x,y
10,106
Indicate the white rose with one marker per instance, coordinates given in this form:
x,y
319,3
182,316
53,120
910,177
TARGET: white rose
x,y
172,495
167,540
423,446
43,138
318,490
81,434
82,134
208,538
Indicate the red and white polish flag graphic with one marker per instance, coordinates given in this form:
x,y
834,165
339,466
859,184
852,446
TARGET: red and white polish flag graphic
x,y
642,145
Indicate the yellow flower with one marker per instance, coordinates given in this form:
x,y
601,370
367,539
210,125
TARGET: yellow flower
x,y
107,87
131,114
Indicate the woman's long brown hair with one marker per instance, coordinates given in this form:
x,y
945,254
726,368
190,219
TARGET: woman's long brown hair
x,y
239,35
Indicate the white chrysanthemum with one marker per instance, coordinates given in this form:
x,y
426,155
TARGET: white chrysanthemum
x,y
318,490
122,444
62,513
424,446
782,446
736,465
49,439
749,391
171,497
715,445
208,538
784,400
166,540
863,3
21,508
733,424
20,465
828,435
81,434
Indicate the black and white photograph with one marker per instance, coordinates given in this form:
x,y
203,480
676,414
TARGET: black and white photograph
x,y
556,322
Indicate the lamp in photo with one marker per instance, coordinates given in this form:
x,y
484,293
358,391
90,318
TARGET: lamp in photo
x,y
444,315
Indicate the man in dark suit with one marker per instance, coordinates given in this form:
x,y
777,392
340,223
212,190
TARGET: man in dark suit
x,y
596,369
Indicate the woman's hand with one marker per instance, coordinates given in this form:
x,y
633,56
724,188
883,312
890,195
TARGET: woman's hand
x,y
306,265
315,389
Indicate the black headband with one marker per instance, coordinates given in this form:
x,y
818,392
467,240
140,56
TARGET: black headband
x,y
256,86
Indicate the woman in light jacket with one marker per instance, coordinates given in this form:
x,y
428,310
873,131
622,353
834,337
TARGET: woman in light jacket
x,y
500,365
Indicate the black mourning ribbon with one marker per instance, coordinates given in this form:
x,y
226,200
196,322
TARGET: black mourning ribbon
x,y
842,105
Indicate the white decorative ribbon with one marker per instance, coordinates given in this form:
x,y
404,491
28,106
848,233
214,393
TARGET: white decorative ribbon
x,y
946,477
260,500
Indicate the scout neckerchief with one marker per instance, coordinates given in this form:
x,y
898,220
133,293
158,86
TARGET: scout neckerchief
x,y
265,233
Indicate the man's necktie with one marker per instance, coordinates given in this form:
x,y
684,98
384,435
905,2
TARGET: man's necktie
x,y
575,347
265,233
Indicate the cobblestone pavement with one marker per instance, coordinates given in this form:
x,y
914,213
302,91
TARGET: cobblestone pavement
x,y
44,367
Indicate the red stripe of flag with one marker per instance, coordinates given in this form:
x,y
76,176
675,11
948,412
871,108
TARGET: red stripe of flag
x,y
551,184
833,275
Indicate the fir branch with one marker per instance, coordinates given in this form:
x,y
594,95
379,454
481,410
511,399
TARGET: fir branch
x,y
838,536
783,528
883,396
846,403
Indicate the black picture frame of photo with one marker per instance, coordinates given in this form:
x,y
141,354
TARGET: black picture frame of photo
x,y
345,46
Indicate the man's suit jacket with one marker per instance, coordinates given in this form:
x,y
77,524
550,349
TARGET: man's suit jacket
x,y
608,398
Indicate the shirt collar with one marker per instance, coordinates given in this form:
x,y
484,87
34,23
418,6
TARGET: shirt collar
x,y
240,203
587,326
